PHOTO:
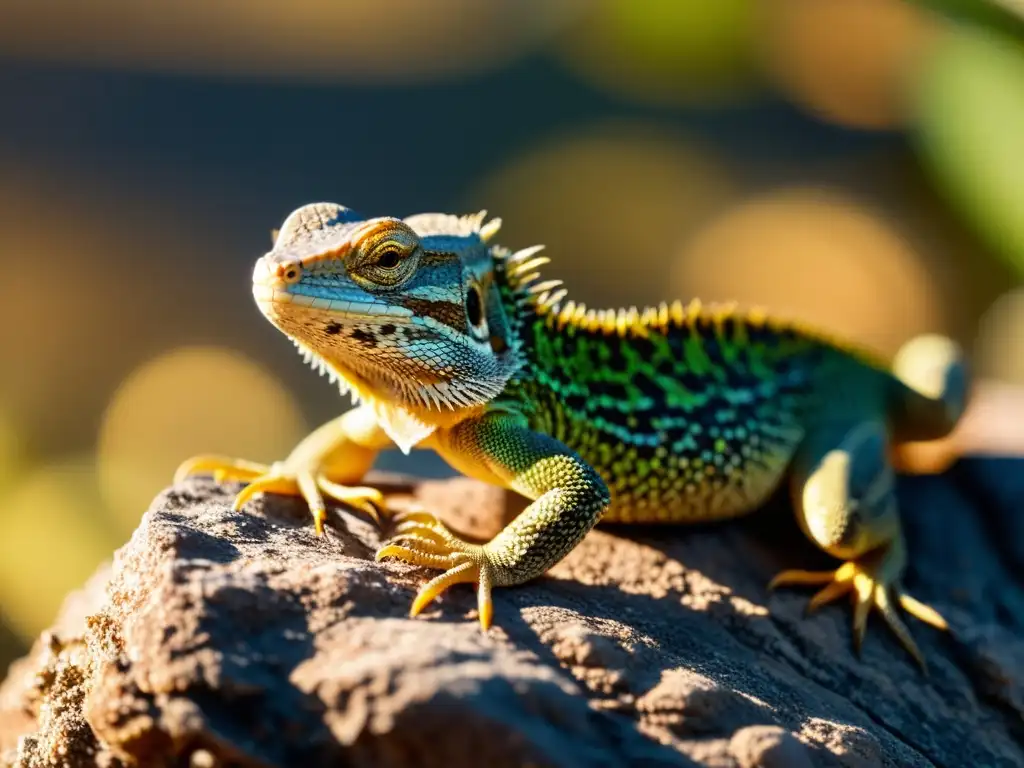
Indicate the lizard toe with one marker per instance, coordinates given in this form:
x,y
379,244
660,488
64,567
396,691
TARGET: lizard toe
x,y
869,586
279,479
367,499
223,468
423,540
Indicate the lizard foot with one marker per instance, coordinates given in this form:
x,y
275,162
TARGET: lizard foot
x,y
279,478
870,583
422,539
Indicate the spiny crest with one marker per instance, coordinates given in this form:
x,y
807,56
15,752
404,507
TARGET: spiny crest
x,y
660,318
546,298
522,271
425,224
666,317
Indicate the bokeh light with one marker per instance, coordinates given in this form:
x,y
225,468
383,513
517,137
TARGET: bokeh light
x,y
355,40
608,203
1001,339
189,401
50,541
55,313
814,255
10,450
665,51
847,61
114,278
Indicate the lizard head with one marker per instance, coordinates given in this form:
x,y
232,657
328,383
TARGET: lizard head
x,y
405,314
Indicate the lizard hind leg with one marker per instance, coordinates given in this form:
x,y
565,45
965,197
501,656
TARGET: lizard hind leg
x,y
843,491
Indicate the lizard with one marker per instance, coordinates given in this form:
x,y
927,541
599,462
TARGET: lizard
x,y
676,413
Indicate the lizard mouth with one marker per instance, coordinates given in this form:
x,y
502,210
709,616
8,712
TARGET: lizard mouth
x,y
364,347
373,349
269,297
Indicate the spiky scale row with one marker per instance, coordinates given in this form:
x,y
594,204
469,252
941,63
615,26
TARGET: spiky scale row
x,y
522,270
546,297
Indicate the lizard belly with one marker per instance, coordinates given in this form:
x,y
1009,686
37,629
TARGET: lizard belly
x,y
666,499
655,483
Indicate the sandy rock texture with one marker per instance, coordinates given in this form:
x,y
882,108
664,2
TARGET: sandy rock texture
x,y
220,638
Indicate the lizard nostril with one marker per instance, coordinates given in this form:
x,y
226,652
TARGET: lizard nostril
x,y
290,272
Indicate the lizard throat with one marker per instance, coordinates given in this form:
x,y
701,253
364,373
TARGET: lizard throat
x,y
400,366
407,412
365,382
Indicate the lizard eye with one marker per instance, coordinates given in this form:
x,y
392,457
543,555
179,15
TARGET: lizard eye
x,y
290,273
389,258
386,257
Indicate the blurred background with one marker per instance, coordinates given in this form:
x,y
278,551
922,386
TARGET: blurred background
x,y
856,163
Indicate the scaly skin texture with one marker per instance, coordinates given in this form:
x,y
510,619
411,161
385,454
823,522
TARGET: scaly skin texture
x,y
673,414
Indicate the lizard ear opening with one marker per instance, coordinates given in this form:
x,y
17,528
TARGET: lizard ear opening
x,y
475,313
474,306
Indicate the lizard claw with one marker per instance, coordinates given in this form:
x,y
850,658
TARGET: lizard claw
x,y
422,539
278,478
870,587
223,468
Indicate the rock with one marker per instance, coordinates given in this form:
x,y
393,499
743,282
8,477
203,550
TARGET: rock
x,y
768,746
219,638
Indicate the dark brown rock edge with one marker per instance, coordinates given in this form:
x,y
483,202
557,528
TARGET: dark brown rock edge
x,y
238,638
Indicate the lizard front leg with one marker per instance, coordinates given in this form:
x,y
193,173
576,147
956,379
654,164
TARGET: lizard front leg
x,y
334,455
568,495
843,489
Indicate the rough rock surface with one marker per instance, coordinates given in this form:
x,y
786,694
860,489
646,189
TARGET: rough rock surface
x,y
238,638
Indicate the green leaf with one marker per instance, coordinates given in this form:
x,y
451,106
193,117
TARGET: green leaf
x,y
1006,16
